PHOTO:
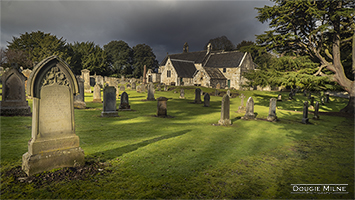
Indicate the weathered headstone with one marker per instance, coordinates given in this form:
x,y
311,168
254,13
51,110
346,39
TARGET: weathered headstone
x,y
79,99
279,97
150,92
249,110
26,73
312,101
305,113
85,73
54,143
206,99
109,105
216,93
133,85
225,109
165,88
229,93
97,93
316,111
99,80
197,95
122,88
124,105
162,107
272,110
13,94
241,108
182,94
143,87
145,74
218,86
139,88
129,86
327,100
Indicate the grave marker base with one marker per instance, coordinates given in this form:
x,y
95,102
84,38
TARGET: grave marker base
x,y
45,161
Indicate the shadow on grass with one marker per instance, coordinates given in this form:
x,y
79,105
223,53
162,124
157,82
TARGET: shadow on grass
x,y
114,153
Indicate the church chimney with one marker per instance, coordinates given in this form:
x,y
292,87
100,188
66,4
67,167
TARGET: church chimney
x,y
186,48
209,48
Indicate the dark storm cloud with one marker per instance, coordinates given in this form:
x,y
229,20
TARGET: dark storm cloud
x,y
163,25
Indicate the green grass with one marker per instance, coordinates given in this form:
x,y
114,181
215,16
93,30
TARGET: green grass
x,y
188,157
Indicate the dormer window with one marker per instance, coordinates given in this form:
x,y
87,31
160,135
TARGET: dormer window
x,y
224,70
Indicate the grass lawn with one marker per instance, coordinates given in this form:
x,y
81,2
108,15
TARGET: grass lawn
x,y
186,156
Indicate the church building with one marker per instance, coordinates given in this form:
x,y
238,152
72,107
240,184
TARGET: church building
x,y
206,68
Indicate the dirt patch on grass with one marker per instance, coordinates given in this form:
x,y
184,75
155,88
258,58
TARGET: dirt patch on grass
x,y
90,169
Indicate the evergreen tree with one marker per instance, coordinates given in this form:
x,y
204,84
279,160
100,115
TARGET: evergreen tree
x,y
119,56
221,43
39,45
143,55
87,55
320,29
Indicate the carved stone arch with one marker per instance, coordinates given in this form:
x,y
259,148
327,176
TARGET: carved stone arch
x,y
49,71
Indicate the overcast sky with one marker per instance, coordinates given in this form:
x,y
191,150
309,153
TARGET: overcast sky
x,y
163,25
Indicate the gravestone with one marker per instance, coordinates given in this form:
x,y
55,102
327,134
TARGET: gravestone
x,y
279,97
305,113
99,80
79,99
122,88
206,99
54,143
129,86
182,94
316,111
26,73
218,86
133,85
13,94
124,105
225,109
85,74
97,93
139,89
159,87
249,110
143,87
216,93
312,101
197,95
162,107
290,95
229,93
145,74
272,110
109,104
150,92
241,108
327,100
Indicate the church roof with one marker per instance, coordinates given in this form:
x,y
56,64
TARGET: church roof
x,y
184,69
225,59
196,57
214,73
